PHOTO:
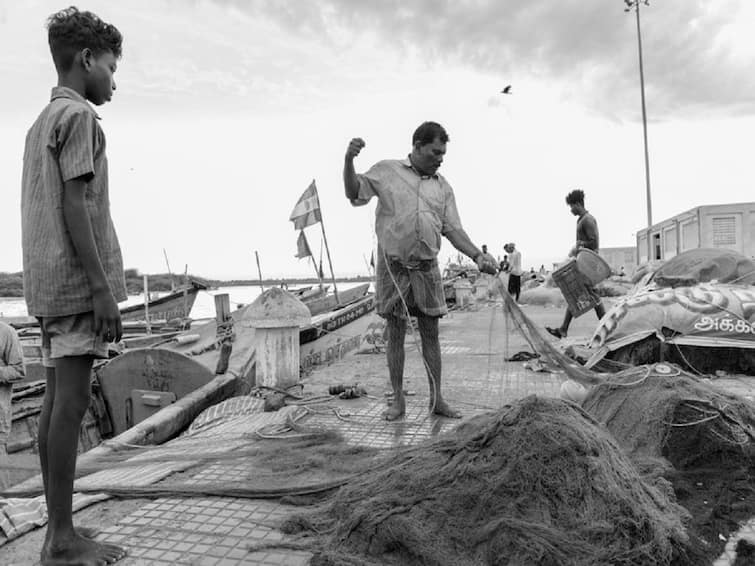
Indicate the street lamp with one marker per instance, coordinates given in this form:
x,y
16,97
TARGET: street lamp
x,y
636,5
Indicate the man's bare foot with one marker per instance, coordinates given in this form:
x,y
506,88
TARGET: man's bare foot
x,y
396,410
442,409
87,532
84,532
81,551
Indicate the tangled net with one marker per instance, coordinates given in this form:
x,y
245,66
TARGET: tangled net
x,y
675,416
536,482
702,440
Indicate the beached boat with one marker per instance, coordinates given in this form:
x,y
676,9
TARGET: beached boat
x,y
452,273
175,305
159,370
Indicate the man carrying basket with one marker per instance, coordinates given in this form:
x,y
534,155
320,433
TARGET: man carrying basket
x,y
587,238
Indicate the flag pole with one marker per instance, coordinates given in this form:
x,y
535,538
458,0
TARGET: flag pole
x,y
257,256
327,249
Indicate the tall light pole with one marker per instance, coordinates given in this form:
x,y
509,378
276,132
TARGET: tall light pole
x,y
636,5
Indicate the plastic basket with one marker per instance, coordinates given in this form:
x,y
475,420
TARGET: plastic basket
x,y
576,288
592,266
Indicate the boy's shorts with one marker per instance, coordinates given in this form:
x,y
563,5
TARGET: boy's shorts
x,y
72,335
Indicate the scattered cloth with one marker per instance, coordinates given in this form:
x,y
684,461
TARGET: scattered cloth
x,y
522,356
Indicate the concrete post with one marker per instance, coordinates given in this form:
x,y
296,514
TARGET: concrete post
x,y
463,292
481,287
276,316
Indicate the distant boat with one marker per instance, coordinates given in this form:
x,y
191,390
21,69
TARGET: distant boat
x,y
325,303
176,304
452,273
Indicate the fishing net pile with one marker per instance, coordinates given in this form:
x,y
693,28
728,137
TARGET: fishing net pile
x,y
536,482
681,427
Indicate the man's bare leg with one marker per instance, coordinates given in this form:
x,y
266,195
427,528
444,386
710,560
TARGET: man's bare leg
x,y
428,331
59,433
396,328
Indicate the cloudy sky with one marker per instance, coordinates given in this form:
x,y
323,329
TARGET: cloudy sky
x,y
226,110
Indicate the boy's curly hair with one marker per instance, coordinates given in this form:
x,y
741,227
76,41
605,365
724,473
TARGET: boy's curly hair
x,y
69,31
577,196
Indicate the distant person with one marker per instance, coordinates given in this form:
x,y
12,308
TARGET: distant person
x,y
416,206
515,271
587,238
487,256
73,270
621,272
542,269
504,267
11,369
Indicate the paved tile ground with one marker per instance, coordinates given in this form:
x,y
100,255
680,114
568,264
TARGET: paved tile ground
x,y
476,378
218,531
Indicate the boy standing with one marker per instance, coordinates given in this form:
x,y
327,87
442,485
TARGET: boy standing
x,y
73,270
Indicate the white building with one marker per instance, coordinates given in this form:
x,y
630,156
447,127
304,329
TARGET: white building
x,y
617,258
729,226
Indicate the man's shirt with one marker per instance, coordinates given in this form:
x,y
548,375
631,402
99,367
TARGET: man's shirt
x,y
515,263
11,358
413,210
65,143
587,232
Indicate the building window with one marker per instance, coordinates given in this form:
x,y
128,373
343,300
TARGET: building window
x,y
669,243
690,240
724,231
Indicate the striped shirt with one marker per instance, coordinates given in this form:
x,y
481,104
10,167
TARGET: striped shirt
x,y
413,210
65,143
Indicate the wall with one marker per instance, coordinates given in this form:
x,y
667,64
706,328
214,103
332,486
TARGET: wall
x,y
725,226
620,256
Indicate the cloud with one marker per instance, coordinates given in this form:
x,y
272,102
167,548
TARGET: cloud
x,y
695,61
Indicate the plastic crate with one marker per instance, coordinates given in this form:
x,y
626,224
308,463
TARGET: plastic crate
x,y
576,288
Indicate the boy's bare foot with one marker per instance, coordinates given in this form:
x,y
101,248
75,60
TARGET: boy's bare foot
x,y
81,551
396,410
442,409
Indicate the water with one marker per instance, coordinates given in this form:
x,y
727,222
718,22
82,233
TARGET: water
x,y
204,306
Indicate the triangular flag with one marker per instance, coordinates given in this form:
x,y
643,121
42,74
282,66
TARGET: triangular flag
x,y
307,209
302,247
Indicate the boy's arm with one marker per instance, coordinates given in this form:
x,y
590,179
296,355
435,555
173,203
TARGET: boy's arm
x,y
107,317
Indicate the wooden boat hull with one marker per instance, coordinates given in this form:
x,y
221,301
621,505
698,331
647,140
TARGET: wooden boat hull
x,y
174,305
327,303
140,382
26,407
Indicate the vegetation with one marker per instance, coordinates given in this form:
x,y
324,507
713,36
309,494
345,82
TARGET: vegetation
x,y
11,285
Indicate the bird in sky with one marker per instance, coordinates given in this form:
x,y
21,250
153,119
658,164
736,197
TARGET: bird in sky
x,y
506,90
